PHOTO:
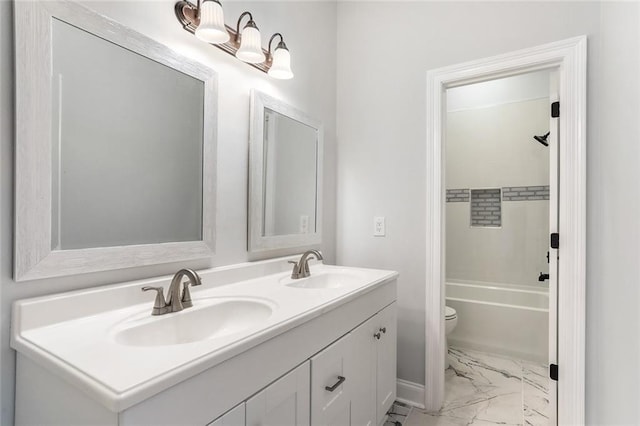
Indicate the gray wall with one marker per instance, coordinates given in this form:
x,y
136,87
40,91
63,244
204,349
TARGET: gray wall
x,y
381,159
310,33
493,147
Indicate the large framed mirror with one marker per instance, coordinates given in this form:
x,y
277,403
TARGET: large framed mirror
x,y
285,176
115,146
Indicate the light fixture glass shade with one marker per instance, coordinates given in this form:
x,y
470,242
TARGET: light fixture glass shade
x,y
250,46
281,65
211,28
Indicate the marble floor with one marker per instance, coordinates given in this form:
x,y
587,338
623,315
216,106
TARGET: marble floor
x,y
486,389
398,414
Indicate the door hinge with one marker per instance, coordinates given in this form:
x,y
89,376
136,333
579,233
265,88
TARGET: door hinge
x,y
555,109
553,372
555,240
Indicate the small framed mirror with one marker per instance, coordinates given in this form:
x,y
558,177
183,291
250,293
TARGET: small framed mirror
x,y
285,176
115,146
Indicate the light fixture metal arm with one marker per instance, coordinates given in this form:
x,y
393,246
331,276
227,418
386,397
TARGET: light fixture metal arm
x,y
281,45
240,20
271,40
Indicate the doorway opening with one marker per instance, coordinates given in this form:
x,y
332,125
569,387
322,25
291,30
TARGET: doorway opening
x,y
500,166
568,58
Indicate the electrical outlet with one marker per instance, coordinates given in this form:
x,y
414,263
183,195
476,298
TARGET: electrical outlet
x,y
304,224
378,226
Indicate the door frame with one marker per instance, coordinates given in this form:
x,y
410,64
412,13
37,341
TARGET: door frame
x,y
570,58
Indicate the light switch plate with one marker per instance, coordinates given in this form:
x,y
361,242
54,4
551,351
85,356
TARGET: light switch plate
x,y
379,226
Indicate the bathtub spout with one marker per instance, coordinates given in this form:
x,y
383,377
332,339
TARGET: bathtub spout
x,y
543,277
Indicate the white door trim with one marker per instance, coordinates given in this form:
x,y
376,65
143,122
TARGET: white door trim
x,y
569,57
554,202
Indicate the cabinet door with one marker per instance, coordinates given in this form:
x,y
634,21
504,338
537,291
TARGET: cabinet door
x,y
330,386
284,402
386,362
233,417
362,374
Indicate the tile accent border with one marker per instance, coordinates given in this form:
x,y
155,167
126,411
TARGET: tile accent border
x,y
524,193
458,195
486,207
509,193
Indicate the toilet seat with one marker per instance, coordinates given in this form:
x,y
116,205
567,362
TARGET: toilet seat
x,y
449,313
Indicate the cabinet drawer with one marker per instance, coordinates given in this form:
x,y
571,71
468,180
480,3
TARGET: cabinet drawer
x,y
330,385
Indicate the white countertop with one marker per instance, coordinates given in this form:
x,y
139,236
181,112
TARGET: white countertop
x,y
73,334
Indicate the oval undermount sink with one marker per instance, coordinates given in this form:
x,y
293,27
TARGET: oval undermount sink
x,y
219,317
327,280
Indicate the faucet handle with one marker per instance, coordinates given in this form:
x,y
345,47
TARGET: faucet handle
x,y
306,272
160,305
192,279
186,295
295,274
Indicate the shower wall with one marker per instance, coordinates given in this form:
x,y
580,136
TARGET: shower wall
x,y
491,148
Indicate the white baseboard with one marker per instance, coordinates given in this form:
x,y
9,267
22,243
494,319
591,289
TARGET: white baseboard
x,y
410,393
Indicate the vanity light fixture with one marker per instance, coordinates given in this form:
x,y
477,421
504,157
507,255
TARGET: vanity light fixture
x,y
280,60
211,28
250,44
206,20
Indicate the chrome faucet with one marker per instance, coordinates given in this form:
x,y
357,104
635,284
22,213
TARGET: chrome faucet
x,y
301,268
175,301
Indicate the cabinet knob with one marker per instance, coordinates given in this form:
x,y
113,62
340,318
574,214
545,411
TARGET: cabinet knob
x,y
377,335
383,329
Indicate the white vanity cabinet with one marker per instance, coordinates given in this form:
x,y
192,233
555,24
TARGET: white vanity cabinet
x,y
330,393
373,362
354,379
386,359
351,382
363,373
234,417
342,339
284,402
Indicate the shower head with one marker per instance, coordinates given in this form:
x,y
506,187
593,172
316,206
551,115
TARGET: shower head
x,y
543,139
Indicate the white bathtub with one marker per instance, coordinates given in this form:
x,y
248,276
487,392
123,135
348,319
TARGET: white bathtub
x,y
508,320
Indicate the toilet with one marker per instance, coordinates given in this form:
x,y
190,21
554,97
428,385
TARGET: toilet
x,y
450,322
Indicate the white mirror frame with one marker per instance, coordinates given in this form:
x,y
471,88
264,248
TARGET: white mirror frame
x,y
258,242
33,257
